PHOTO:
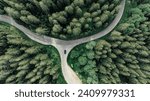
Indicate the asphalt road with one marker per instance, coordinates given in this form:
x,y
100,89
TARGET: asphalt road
x,y
63,45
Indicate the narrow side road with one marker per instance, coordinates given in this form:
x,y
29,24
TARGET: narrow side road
x,y
62,45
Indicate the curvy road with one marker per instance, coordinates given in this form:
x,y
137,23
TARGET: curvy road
x,y
65,46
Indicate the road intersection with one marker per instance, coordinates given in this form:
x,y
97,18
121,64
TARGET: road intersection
x,y
65,46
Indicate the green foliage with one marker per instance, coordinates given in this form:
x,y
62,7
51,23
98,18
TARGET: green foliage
x,y
122,57
1,7
64,19
82,60
24,61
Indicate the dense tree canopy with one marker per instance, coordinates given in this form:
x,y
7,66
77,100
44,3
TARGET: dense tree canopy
x,y
65,19
25,61
122,57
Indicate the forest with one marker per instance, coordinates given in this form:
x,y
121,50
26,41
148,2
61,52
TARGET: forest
x,y
121,57
64,19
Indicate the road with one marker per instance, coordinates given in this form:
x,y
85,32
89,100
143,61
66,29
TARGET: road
x,y
63,46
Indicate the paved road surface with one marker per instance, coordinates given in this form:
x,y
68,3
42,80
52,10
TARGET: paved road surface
x,y
63,45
